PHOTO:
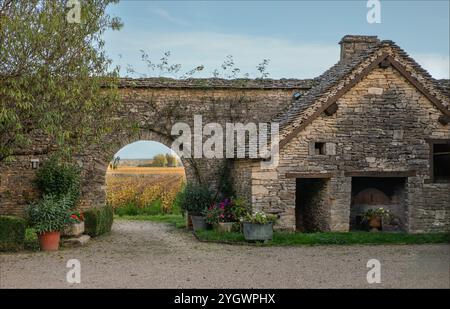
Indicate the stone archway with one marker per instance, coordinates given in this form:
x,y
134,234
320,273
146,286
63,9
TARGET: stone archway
x,y
95,165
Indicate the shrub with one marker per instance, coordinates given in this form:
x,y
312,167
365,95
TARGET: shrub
x,y
98,221
50,214
220,212
212,214
12,233
260,218
196,199
59,178
240,208
31,240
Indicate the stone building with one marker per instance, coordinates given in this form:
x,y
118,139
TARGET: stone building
x,y
371,131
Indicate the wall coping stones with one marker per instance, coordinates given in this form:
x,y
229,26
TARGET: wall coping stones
x,y
214,83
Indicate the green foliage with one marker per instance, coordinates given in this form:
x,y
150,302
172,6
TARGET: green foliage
x,y
159,160
196,199
212,214
12,233
377,212
171,160
240,208
330,238
49,214
53,75
131,209
176,219
98,221
31,240
59,178
260,218
162,68
114,163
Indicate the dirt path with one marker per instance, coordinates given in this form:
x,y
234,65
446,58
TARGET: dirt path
x,y
155,255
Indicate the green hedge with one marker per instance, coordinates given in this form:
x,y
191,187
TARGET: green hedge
x,y
98,221
12,233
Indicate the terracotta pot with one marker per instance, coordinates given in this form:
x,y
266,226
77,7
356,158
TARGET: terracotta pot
x,y
49,241
375,222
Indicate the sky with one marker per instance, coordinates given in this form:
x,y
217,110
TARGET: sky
x,y
142,150
299,37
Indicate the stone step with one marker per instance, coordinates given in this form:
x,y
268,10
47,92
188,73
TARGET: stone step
x,y
76,241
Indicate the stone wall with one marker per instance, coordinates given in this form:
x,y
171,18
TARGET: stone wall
x,y
382,124
149,109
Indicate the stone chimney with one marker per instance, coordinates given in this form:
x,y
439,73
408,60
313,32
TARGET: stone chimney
x,y
353,44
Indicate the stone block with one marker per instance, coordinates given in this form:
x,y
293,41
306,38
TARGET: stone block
x,y
76,241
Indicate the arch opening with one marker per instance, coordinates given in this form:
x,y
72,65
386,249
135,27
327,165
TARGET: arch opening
x,y
144,178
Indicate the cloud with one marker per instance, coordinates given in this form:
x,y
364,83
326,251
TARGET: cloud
x,y
288,58
436,64
167,16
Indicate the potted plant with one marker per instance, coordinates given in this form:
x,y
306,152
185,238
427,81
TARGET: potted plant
x,y
195,200
258,226
48,217
240,209
221,216
374,216
75,226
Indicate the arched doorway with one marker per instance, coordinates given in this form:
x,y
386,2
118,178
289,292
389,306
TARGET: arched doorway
x,y
144,178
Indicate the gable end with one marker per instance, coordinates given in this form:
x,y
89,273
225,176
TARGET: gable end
x,y
384,60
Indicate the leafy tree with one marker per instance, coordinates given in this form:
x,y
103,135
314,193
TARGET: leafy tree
x,y
159,160
171,160
52,74
115,163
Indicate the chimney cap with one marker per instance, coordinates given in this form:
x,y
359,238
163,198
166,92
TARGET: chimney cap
x,y
359,39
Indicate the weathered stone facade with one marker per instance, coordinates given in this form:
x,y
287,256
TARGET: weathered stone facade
x,y
381,127
374,115
150,108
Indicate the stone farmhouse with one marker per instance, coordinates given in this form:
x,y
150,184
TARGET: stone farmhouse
x,y
372,131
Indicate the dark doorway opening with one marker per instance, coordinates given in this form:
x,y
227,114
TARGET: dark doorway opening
x,y
376,192
312,205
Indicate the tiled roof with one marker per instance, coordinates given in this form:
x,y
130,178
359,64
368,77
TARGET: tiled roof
x,y
324,82
156,82
300,110
444,85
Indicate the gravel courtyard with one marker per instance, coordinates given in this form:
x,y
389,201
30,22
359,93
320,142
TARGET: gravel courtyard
x,y
155,255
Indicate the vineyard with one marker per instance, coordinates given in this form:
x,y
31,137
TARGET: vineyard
x,y
144,190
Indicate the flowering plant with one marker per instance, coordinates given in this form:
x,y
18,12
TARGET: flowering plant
x,y
260,218
221,212
76,217
377,212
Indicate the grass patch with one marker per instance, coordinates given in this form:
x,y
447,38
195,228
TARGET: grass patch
x,y
178,220
152,209
331,238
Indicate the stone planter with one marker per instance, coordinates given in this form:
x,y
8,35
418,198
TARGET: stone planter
x,y
74,230
198,223
261,232
223,227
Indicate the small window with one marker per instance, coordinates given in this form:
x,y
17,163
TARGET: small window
x,y
441,162
319,148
